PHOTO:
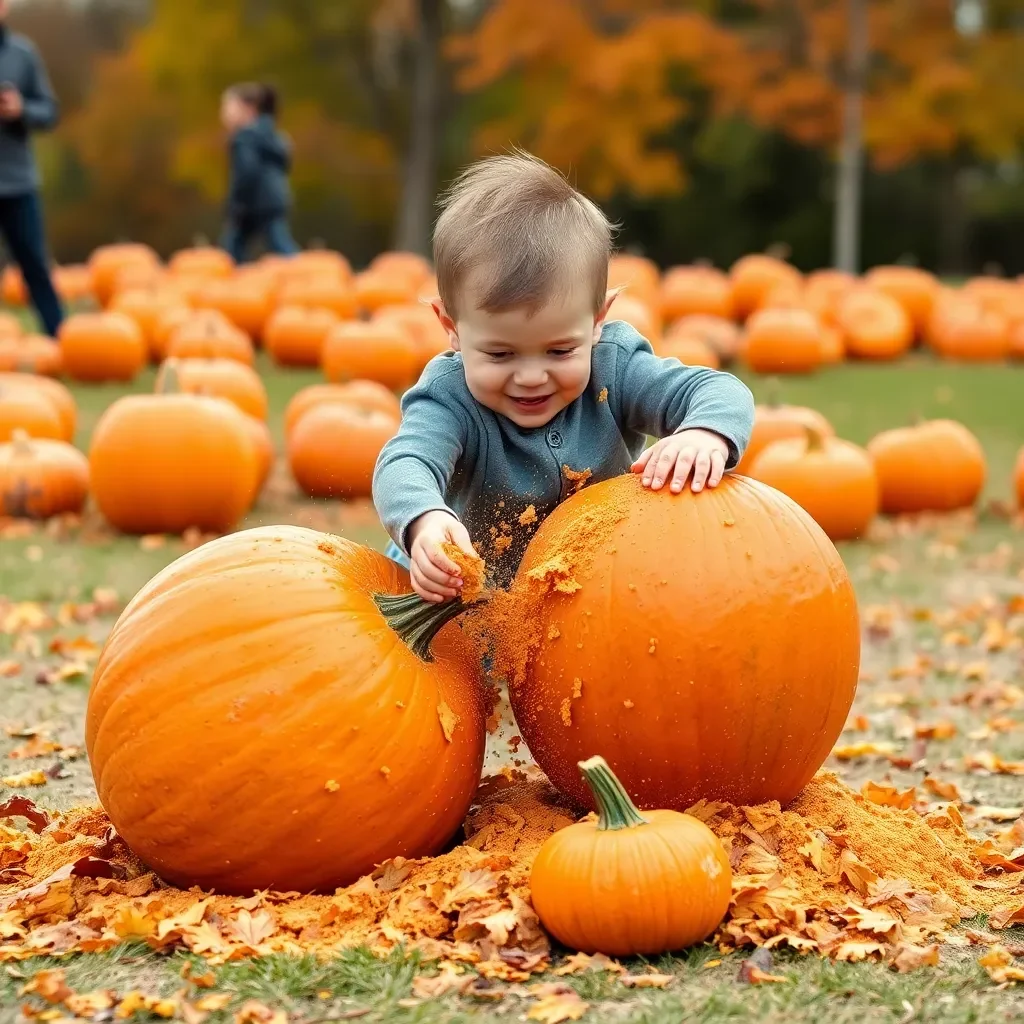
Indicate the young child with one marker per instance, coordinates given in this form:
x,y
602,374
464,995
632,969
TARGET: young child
x,y
541,393
258,192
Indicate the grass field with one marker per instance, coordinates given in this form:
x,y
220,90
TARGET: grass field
x,y
917,587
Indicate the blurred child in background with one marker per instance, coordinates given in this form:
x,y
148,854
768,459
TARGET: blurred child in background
x,y
259,196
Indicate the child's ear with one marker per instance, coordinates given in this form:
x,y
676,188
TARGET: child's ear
x,y
602,314
446,321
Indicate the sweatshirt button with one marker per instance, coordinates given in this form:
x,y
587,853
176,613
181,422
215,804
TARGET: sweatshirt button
x,y
555,439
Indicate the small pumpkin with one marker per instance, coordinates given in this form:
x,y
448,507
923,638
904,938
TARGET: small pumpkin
x,y
690,351
825,289
12,287
935,466
294,335
630,883
833,345
754,278
40,477
222,378
720,335
637,276
833,481
374,753
53,391
210,335
363,394
165,462
201,261
640,316
695,291
167,321
377,288
421,322
410,265
321,292
73,282
100,347
246,300
333,448
914,289
783,341
146,306
775,422
963,328
30,353
370,351
874,325
109,261
29,410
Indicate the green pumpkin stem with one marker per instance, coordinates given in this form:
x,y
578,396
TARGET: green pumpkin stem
x,y
416,621
615,809
815,441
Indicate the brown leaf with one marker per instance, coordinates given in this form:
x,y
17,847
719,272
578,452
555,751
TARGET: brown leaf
x,y
909,957
37,746
252,1011
1005,917
858,874
556,1002
49,985
449,978
252,929
23,807
392,873
476,884
84,867
943,790
578,963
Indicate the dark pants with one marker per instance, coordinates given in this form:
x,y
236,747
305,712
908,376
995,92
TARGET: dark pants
x,y
21,224
240,231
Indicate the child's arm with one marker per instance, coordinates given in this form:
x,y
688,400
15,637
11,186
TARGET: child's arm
x,y
703,417
409,483
245,171
40,110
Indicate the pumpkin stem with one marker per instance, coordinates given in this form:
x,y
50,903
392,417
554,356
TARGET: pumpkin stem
x,y
615,809
416,621
815,441
168,382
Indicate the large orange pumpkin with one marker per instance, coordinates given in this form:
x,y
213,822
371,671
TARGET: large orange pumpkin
x,y
695,291
146,306
936,466
163,463
322,292
333,448
40,478
783,341
222,378
30,353
108,261
376,288
53,391
721,665
1016,349
963,328
201,261
166,323
410,265
363,394
370,351
777,423
874,325
833,481
824,289
316,263
294,335
263,446
422,325
720,335
28,410
247,301
98,347
914,289
318,743
210,335
754,277
630,883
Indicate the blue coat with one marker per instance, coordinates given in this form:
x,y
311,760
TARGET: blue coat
x,y
260,161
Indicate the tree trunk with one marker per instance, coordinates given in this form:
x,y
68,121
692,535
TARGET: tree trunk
x,y
419,175
850,172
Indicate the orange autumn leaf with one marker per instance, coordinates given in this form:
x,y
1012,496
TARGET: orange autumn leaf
x,y
889,796
943,790
556,1002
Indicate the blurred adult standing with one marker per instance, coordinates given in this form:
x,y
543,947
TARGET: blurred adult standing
x,y
27,104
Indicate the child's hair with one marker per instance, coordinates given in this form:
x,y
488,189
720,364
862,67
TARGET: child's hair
x,y
258,95
528,233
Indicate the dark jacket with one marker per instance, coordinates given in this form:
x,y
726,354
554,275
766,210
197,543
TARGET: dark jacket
x,y
260,161
21,65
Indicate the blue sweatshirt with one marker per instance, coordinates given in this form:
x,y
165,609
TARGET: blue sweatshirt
x,y
453,453
260,160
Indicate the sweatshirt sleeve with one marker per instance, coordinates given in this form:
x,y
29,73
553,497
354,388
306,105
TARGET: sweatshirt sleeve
x,y
415,467
662,396
40,110
245,170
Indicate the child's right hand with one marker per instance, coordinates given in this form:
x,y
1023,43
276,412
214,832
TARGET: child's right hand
x,y
435,577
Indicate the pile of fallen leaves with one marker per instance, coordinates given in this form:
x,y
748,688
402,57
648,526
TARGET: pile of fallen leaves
x,y
836,874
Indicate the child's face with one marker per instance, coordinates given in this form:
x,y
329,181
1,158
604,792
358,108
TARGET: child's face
x,y
528,367
233,112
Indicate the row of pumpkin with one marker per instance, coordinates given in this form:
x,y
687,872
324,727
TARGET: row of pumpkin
x,y
312,309
198,452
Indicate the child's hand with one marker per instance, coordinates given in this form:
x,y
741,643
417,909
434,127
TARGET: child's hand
x,y
672,458
435,577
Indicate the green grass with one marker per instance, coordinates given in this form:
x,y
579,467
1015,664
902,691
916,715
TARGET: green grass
x,y
916,569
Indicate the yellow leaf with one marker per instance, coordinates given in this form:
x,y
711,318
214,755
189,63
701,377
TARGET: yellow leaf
x,y
556,1002
37,777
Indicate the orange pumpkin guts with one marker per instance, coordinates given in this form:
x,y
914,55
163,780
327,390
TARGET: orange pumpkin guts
x,y
99,347
935,466
40,478
162,463
833,481
630,883
374,753
731,681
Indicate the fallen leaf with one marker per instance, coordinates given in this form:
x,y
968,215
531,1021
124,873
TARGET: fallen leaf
x,y
213,1002
89,1004
556,1002
477,884
49,985
987,761
943,790
37,746
909,957
449,978
935,731
252,1011
23,807
578,963
651,980
36,777
889,796
1006,917
854,751
756,969
252,929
